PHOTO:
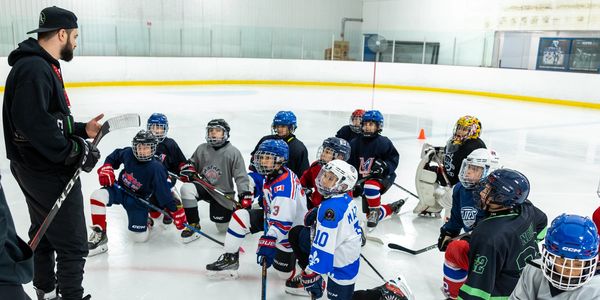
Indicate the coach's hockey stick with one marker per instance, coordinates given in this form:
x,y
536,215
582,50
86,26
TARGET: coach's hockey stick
x,y
154,207
419,251
118,122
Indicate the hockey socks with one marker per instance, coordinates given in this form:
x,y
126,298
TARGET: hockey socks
x,y
239,226
98,202
456,267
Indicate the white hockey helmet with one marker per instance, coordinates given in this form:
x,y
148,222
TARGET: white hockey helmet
x,y
480,160
336,177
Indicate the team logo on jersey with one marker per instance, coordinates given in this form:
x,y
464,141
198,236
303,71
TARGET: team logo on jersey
x,y
469,216
448,164
365,166
313,259
130,182
212,174
161,157
329,215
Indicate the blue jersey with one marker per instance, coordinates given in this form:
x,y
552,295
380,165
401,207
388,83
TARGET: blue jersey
x,y
170,154
365,150
335,250
464,213
285,204
143,178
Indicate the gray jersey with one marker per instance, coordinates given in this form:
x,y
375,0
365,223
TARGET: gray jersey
x,y
220,166
533,285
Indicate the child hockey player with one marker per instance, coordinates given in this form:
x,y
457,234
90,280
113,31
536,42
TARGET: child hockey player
x,y
168,152
142,175
352,130
435,190
376,159
218,162
478,165
502,242
568,264
284,206
332,148
335,248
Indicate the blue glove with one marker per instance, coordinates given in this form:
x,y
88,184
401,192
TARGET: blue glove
x,y
314,284
266,250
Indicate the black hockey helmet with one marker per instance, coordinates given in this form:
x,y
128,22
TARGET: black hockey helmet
x,y
143,138
217,123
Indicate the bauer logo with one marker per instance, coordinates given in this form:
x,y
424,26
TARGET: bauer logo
x,y
569,249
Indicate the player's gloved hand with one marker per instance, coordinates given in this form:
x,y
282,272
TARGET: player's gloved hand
x,y
357,191
187,171
266,250
379,168
106,175
246,199
83,154
313,283
178,217
444,239
311,216
308,192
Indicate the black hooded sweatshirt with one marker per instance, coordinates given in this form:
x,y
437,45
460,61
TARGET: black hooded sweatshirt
x,y
36,112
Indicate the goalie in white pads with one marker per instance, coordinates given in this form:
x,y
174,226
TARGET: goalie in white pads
x,y
435,178
568,264
284,205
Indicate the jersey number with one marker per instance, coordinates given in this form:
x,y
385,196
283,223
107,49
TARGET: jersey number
x,y
321,238
275,210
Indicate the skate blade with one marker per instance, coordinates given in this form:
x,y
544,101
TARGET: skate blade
x,y
297,291
190,239
225,274
98,250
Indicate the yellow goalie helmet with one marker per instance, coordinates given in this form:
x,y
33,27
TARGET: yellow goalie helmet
x,y
467,127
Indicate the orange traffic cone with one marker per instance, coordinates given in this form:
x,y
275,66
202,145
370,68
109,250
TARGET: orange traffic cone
x,y
421,134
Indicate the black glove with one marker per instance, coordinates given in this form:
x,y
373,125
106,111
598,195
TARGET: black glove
x,y
308,192
310,217
83,153
379,168
444,239
357,191
245,199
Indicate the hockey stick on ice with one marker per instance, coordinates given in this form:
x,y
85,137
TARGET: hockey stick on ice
x,y
402,188
118,122
372,267
419,251
154,207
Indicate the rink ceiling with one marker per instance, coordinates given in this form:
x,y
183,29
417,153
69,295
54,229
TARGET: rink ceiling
x,y
557,147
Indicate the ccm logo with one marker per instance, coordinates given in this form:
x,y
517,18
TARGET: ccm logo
x,y
571,249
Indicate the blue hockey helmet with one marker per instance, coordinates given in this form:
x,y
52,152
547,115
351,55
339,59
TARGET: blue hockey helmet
x,y
158,125
506,187
333,148
285,118
372,116
141,139
270,156
570,253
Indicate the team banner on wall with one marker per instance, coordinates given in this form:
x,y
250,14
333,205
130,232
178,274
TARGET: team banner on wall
x,y
569,54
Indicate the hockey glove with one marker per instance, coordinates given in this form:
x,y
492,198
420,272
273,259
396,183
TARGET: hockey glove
x,y
444,239
266,250
83,153
357,191
308,192
246,199
106,175
379,168
313,283
178,217
311,216
187,172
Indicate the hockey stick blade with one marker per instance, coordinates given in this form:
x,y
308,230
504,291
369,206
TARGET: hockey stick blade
x,y
410,251
118,122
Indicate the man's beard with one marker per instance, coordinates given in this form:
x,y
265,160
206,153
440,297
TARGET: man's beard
x,y
66,53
